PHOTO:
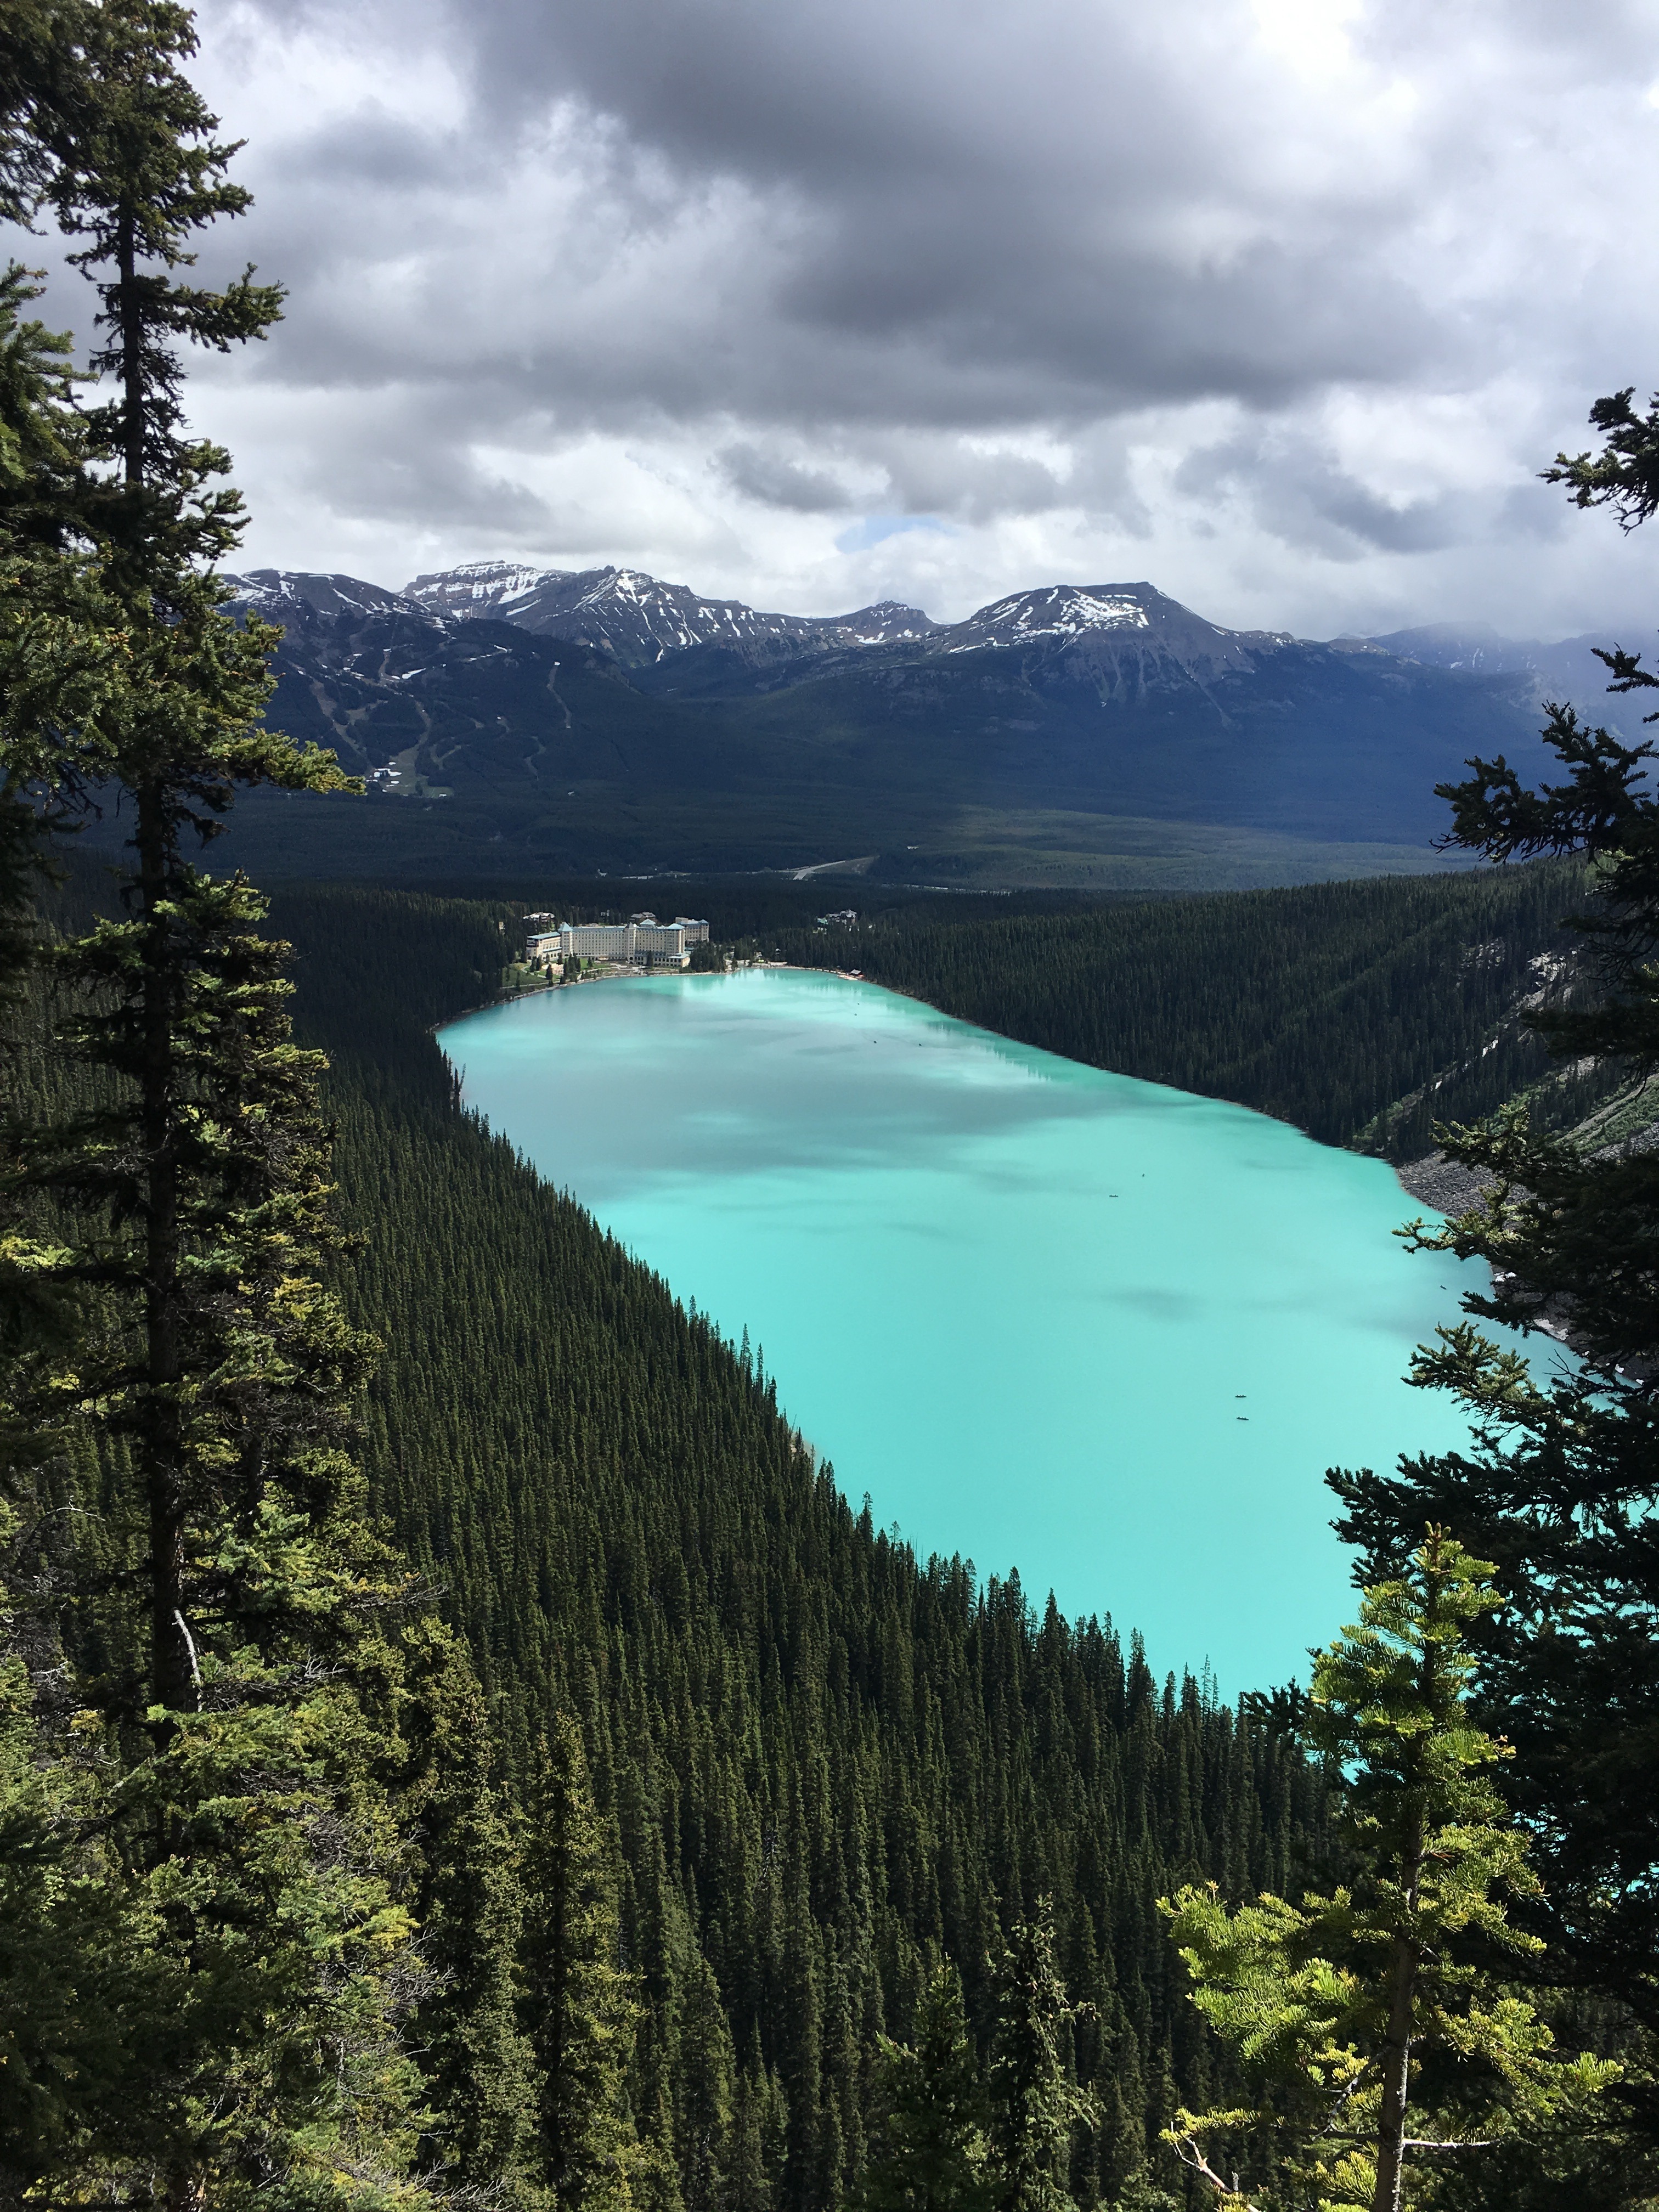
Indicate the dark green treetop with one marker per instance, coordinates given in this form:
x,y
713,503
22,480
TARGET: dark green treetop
x,y
1625,474
1034,2101
1559,1485
929,2151
1376,2021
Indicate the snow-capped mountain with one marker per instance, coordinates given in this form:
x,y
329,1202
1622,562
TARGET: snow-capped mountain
x,y
1123,633
644,704
1124,629
1059,611
639,619
280,594
1123,639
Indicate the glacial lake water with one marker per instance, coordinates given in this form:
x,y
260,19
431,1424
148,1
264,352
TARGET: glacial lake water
x,y
1105,1333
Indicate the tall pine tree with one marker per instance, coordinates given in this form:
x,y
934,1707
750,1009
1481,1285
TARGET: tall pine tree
x,y
477,2065
580,2009
204,1679
1561,1485
1034,2101
928,2153
1376,2021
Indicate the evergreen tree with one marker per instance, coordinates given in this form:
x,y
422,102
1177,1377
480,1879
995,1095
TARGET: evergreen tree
x,y
704,2133
41,76
807,2178
1561,1482
67,1974
580,2006
185,986
212,1738
928,2151
479,2068
1033,2102
759,2131
1376,2019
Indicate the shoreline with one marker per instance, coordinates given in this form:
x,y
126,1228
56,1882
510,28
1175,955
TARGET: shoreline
x,y
1432,1180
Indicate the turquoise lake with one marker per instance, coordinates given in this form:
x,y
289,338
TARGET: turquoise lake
x,y
1105,1333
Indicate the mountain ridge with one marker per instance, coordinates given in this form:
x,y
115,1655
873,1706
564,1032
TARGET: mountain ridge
x,y
1059,735
640,618
649,626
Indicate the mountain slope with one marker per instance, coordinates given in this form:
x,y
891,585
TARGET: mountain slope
x,y
817,1756
639,620
1567,669
1048,722
1119,701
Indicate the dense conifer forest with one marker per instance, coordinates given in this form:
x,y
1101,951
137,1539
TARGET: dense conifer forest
x,y
459,1746
787,1768
819,1757
1364,1012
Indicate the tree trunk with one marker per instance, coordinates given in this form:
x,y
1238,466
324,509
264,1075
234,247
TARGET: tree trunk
x,y
132,355
174,1681
1404,1961
1396,2075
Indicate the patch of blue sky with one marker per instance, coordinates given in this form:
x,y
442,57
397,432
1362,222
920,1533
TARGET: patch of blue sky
x,y
861,535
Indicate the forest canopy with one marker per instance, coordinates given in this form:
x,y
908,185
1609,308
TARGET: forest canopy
x,y
458,1745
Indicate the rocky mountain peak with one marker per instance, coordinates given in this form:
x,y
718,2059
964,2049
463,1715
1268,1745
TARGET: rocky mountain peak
x,y
639,619
889,622
280,594
482,587
1103,629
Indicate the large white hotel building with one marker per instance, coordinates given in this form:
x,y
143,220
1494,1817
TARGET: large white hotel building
x,y
642,941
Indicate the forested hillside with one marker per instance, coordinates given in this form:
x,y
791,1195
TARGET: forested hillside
x,y
810,1762
1364,1012
458,1748
820,1754
1111,738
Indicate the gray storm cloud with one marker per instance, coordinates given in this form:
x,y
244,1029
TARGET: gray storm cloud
x,y
1303,292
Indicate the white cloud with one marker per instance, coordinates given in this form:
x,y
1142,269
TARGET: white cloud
x,y
1310,35
1278,303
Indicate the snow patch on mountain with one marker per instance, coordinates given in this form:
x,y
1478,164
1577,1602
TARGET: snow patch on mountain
x,y
1061,610
279,594
640,619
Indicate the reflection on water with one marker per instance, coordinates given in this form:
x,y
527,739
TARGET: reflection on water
x,y
1106,1332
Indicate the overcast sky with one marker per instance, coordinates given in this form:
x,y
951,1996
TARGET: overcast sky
x,y
1279,304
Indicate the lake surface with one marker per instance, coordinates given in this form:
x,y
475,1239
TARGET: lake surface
x,y
1106,1332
